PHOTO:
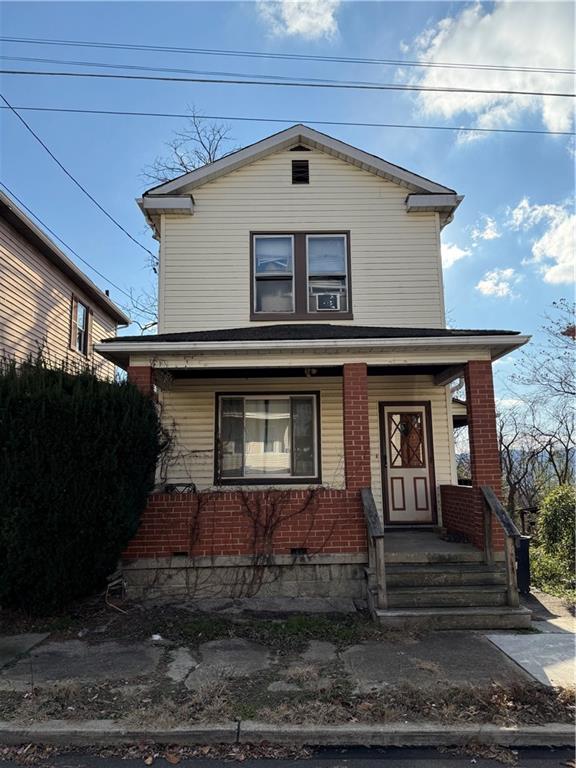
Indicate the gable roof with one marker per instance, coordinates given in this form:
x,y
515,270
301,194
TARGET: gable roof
x,y
306,137
23,224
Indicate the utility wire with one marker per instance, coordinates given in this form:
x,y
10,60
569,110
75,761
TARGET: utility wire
x,y
282,83
73,179
68,247
141,68
236,118
286,56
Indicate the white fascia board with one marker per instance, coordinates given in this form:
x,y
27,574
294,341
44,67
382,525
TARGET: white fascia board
x,y
438,203
501,344
300,134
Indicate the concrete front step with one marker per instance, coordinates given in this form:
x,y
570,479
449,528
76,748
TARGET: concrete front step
x,y
487,617
467,555
443,575
466,597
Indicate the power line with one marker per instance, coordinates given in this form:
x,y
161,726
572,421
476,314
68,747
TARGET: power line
x,y
289,84
236,118
141,68
73,179
68,247
287,56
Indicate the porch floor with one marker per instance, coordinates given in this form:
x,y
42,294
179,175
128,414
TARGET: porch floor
x,y
414,546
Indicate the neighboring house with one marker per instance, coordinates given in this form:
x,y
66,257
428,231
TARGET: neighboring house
x,y
46,302
303,365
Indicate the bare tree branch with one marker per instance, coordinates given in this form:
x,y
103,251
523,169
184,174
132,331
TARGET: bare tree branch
x,y
201,142
549,369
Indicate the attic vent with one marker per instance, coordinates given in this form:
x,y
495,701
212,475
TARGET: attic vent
x,y
300,172
300,148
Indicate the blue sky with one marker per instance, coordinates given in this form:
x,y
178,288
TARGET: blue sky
x,y
507,253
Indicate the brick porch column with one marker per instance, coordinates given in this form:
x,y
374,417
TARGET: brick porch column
x,y
356,426
484,454
142,376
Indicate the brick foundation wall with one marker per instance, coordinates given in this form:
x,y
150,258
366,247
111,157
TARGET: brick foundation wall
x,y
463,513
333,522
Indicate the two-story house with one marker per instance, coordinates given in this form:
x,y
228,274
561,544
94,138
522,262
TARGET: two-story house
x,y
47,304
302,365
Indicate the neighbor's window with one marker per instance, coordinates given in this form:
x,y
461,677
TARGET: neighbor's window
x,y
264,438
300,276
80,324
82,328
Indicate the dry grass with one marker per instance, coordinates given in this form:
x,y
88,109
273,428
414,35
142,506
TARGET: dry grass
x,y
301,673
210,703
428,666
513,705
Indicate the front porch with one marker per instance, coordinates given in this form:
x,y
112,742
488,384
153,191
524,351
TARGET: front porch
x,y
273,452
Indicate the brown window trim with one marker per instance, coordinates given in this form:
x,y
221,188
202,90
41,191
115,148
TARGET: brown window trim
x,y
300,278
271,481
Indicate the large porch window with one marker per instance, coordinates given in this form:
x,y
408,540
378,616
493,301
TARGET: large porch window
x,y
267,438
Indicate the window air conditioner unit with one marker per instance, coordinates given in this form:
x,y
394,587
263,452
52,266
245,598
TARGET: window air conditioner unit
x,y
327,302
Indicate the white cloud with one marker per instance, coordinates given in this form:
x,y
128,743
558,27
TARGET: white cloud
x,y
310,19
554,249
486,229
507,33
498,282
452,253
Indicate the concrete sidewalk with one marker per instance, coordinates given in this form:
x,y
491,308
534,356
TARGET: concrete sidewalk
x,y
278,672
550,655
441,658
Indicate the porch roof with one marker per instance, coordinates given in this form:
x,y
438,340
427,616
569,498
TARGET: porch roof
x,y
308,332
316,338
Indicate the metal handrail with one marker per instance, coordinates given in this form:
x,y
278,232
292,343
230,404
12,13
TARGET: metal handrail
x,y
375,545
493,508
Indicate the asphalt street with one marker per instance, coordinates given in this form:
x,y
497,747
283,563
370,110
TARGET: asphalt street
x,y
335,758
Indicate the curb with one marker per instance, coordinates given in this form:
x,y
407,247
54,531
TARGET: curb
x,y
104,733
89,733
409,734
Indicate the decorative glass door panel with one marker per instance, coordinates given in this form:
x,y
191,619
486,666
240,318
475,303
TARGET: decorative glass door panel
x,y
406,464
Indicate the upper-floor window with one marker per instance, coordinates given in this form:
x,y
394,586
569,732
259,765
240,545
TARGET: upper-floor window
x,y
80,327
301,276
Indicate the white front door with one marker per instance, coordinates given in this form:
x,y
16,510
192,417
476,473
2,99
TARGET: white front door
x,y
406,464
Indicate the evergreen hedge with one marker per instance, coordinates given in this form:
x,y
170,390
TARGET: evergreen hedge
x,y
77,461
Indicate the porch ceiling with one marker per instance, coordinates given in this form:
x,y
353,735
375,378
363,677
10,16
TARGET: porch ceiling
x,y
301,372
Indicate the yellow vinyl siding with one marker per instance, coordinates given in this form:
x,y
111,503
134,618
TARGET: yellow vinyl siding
x,y
35,306
405,389
205,269
189,409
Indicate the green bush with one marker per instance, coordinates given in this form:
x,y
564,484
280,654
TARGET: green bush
x,y
77,461
553,556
